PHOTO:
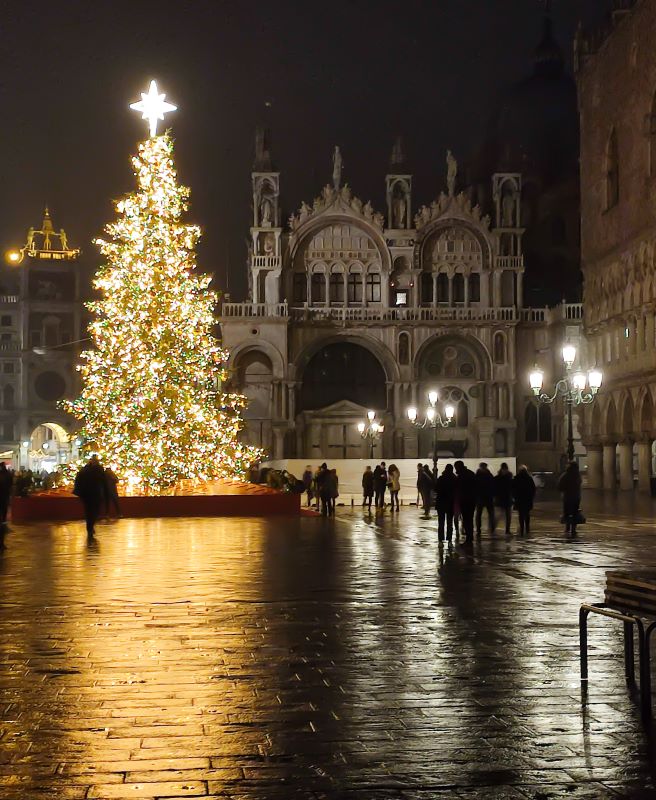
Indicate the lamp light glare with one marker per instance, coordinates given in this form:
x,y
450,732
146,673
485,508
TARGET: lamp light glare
x,y
412,414
594,379
371,415
431,414
361,427
375,427
536,379
432,398
450,412
13,256
579,381
569,354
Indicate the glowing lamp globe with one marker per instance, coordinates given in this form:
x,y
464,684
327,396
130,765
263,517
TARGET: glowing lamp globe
x,y
594,380
536,379
13,257
371,415
431,414
432,398
361,427
375,427
449,412
579,381
569,354
412,414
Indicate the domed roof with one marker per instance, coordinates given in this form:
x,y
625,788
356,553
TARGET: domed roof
x,y
534,127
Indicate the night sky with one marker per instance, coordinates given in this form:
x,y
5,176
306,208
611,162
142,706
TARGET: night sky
x,y
318,74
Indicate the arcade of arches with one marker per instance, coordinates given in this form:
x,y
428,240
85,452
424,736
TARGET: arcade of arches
x,y
621,441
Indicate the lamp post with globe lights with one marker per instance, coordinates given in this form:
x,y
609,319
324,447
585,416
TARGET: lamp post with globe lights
x,y
372,432
433,419
576,388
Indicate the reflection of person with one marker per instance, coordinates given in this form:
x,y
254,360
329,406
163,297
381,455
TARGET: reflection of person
x,y
90,487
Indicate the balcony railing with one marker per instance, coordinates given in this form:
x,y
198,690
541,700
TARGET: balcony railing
x,y
8,298
10,347
568,312
430,314
272,262
510,262
254,310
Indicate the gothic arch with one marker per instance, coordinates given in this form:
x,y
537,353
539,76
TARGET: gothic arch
x,y
611,427
433,229
626,417
380,351
646,412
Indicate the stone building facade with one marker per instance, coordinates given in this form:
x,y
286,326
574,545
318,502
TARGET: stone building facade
x,y
353,309
40,331
616,74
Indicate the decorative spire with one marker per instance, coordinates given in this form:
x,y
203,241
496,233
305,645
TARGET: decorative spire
x,y
262,162
548,56
47,226
397,159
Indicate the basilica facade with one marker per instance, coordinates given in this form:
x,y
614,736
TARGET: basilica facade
x,y
353,309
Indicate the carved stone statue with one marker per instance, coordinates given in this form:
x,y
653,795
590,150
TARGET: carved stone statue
x,y
508,210
368,211
265,212
356,205
451,173
304,212
346,193
398,211
337,168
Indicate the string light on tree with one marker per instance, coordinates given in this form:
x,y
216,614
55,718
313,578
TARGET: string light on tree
x,y
152,405
152,107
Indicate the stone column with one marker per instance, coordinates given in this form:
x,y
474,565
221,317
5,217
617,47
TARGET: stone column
x,y
435,298
278,443
450,291
595,466
644,466
610,476
466,280
626,465
520,290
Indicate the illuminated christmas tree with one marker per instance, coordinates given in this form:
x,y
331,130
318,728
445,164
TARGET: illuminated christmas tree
x,y
152,405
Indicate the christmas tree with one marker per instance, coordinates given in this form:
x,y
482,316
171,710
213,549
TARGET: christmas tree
x,y
152,405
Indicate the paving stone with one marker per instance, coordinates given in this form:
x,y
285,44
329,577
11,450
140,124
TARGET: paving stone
x,y
316,659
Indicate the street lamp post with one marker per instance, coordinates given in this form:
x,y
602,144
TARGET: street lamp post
x,y
576,388
372,432
433,419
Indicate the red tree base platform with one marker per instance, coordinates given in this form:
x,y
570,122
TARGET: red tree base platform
x,y
217,499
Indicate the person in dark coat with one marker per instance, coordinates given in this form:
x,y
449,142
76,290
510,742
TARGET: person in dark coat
x,y
91,487
465,497
6,483
380,484
323,491
307,484
484,497
523,489
111,488
446,492
425,486
569,485
503,493
367,487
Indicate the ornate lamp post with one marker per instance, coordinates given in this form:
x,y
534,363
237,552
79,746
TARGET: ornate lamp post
x,y
372,432
576,388
433,419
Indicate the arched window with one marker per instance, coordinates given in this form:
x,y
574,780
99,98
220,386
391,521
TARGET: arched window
x,y
537,422
458,288
499,348
475,288
373,287
404,348
336,287
462,414
612,171
354,288
300,287
318,287
426,289
443,288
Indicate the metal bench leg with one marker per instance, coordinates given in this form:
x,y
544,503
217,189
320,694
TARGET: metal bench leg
x,y
583,642
629,666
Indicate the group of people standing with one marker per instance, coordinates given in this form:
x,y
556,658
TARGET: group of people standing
x,y
375,483
321,488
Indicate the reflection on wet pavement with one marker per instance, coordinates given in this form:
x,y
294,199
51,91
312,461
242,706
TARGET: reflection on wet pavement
x,y
314,658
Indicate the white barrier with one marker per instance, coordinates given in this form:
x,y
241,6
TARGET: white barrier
x,y
349,472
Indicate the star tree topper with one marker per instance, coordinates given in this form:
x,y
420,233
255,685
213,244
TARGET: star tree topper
x,y
152,107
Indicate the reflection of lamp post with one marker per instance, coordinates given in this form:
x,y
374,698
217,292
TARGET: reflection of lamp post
x,y
572,388
434,419
371,432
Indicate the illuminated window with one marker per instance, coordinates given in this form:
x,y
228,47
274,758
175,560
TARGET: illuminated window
x,y
401,298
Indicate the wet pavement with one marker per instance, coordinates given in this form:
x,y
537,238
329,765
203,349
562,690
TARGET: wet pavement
x,y
316,659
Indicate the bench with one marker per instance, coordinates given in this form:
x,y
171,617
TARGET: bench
x,y
630,598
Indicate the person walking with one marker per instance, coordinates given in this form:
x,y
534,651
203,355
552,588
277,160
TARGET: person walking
x,y
307,484
394,483
466,494
523,489
367,487
503,493
380,485
323,490
569,485
90,487
111,488
484,497
445,487
6,484
425,485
